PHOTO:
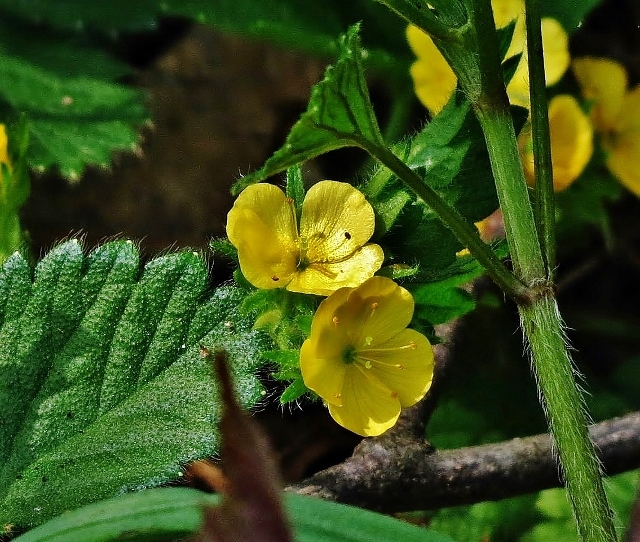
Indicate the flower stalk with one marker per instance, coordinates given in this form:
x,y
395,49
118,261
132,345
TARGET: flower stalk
x,y
473,55
543,188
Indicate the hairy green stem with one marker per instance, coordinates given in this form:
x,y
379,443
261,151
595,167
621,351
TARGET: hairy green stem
x,y
464,231
544,198
541,322
565,413
471,49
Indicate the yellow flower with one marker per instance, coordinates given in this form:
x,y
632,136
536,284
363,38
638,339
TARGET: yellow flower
x,y
329,251
361,359
615,113
4,142
434,81
571,136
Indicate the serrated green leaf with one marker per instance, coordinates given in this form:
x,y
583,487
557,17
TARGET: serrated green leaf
x,y
102,385
170,513
339,114
74,121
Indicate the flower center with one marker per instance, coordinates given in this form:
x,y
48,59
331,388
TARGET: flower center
x,y
349,354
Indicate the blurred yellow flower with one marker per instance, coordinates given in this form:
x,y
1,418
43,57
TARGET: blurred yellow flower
x,y
434,81
328,252
361,359
615,113
4,142
571,142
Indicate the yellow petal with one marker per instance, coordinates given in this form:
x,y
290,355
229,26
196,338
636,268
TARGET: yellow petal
x,y
505,11
261,225
4,153
325,278
368,408
324,375
604,83
555,42
404,364
433,78
321,357
571,142
376,311
623,148
336,221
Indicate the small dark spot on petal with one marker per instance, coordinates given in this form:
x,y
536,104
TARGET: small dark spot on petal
x,y
275,278
347,235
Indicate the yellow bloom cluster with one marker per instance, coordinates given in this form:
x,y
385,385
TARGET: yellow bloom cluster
x,y
570,130
360,358
615,113
434,80
328,252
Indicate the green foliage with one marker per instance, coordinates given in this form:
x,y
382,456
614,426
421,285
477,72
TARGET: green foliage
x,y
339,115
15,188
102,386
170,513
570,13
73,121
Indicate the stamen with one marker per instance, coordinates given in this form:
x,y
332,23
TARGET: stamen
x,y
374,306
399,366
337,395
394,394
335,320
367,364
368,340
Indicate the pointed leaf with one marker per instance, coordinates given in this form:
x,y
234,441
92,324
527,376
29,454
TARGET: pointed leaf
x,y
171,513
102,387
339,114
73,121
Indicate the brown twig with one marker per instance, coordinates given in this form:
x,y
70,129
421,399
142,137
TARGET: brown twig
x,y
390,475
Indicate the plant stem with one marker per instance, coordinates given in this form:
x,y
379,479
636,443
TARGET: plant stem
x,y
464,231
541,323
544,200
565,413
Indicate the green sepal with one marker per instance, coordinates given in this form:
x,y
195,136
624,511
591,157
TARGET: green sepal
x,y
295,186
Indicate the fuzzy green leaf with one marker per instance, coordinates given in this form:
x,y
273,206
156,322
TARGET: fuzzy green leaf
x,y
170,513
102,386
339,114
73,121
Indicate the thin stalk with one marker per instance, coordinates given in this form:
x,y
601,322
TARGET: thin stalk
x,y
564,408
464,231
544,198
513,193
541,322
